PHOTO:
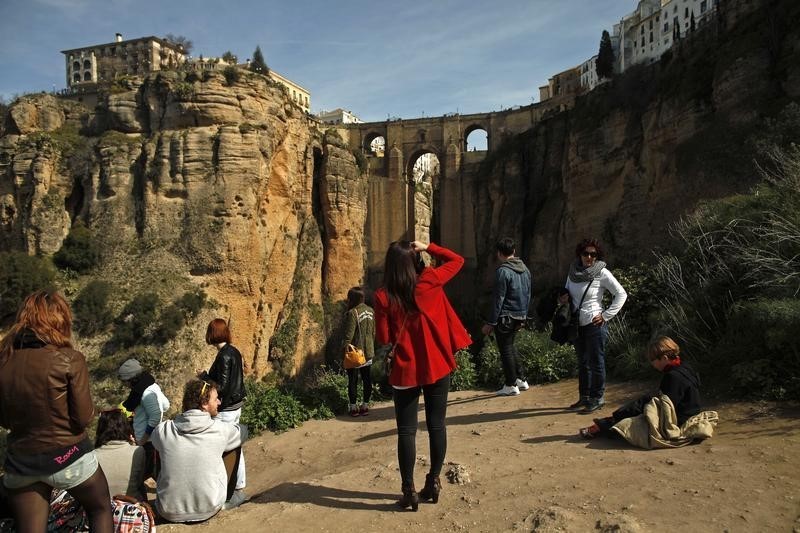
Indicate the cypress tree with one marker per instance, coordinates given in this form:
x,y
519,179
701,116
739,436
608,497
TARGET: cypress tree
x,y
258,64
605,57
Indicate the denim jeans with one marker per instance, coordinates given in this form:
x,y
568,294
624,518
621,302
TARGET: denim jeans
x,y
352,383
232,417
509,356
406,405
591,349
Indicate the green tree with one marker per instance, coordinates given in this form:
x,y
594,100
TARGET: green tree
x,y
179,40
20,275
258,64
80,251
605,57
691,23
92,314
228,57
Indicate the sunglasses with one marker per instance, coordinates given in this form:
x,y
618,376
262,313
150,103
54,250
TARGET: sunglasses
x,y
588,254
205,386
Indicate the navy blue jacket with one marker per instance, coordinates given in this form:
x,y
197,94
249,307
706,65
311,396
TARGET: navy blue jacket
x,y
512,291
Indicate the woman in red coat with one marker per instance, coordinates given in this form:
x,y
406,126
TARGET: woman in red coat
x,y
413,313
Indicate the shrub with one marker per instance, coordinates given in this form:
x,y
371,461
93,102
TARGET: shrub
x,y
464,377
92,314
171,321
361,160
490,371
232,75
20,275
184,91
135,319
270,408
192,302
325,394
80,251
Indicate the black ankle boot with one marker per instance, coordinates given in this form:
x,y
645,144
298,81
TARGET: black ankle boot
x,y
410,498
431,489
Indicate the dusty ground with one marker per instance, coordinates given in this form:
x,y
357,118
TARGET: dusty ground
x,y
529,472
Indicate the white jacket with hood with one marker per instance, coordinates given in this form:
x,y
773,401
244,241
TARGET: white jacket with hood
x,y
192,485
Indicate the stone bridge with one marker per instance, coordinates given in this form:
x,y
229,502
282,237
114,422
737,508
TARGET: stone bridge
x,y
397,202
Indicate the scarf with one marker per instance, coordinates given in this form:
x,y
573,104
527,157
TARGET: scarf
x,y
135,397
673,363
579,274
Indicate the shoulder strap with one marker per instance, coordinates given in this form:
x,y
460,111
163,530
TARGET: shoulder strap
x,y
584,294
400,333
358,325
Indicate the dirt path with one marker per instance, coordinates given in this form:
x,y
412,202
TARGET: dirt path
x,y
528,470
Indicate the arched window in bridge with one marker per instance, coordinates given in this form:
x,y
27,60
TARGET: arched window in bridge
x,y
426,168
477,140
375,145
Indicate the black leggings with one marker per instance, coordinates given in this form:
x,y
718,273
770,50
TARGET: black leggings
x,y
406,405
352,383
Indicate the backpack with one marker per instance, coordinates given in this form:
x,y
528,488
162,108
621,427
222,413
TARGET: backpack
x,y
131,516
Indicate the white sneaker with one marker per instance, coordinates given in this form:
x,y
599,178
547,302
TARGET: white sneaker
x,y
508,390
522,385
237,499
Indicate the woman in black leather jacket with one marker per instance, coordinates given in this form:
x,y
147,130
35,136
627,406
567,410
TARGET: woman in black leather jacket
x,y
227,372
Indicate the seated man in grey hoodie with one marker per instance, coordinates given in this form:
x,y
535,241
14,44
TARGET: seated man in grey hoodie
x,y
193,484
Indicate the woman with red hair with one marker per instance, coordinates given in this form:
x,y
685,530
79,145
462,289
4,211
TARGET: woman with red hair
x,y
46,405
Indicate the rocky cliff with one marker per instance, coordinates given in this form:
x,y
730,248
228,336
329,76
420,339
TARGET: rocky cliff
x,y
641,150
220,183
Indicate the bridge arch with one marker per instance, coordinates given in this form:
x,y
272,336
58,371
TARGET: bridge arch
x,y
375,143
474,139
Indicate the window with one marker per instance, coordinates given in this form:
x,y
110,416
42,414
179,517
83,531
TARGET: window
x,y
651,37
703,6
666,27
674,9
76,76
76,65
642,30
87,76
87,63
642,42
113,50
651,24
686,13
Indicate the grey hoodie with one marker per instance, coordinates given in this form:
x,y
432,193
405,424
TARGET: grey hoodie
x,y
192,485
512,291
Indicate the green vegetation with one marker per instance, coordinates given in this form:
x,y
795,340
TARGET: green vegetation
x,y
80,251
544,360
232,75
20,275
464,377
605,57
258,64
145,321
184,91
136,318
91,308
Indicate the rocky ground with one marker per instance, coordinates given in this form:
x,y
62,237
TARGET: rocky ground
x,y
517,464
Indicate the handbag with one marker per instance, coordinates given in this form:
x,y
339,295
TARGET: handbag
x,y
568,333
354,356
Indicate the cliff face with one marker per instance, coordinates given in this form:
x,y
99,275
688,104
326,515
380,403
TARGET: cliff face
x,y
209,182
638,152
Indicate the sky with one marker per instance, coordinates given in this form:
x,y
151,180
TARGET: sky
x,y
378,59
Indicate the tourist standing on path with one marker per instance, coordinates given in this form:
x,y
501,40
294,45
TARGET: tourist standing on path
x,y
587,281
679,382
359,331
511,296
46,404
227,372
413,313
194,482
148,405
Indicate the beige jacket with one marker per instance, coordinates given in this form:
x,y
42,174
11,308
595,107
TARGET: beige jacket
x,y
657,426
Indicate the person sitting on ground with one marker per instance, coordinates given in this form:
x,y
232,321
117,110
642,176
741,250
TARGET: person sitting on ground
x,y
679,382
122,461
195,481
148,405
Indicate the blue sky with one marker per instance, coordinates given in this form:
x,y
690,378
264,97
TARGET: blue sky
x,y
375,58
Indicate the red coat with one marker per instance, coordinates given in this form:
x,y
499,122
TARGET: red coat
x,y
426,348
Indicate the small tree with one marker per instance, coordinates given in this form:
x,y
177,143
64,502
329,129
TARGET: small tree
x,y
20,275
258,64
691,22
229,58
80,251
179,40
605,57
92,314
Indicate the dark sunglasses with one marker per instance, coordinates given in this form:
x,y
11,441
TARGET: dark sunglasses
x,y
589,254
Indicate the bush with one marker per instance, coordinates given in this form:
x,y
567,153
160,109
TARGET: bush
x,y
192,302
90,308
136,319
464,377
232,75
80,251
270,408
171,321
325,394
20,275
544,360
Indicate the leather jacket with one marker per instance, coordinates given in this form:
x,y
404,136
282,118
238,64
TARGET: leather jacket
x,y
228,373
44,396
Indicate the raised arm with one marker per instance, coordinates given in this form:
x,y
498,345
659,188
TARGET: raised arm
x,y
451,262
381,318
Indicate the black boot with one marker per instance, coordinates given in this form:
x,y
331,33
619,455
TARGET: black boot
x,y
410,498
431,489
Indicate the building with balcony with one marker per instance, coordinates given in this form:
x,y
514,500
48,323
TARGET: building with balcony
x,y
338,116
105,62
